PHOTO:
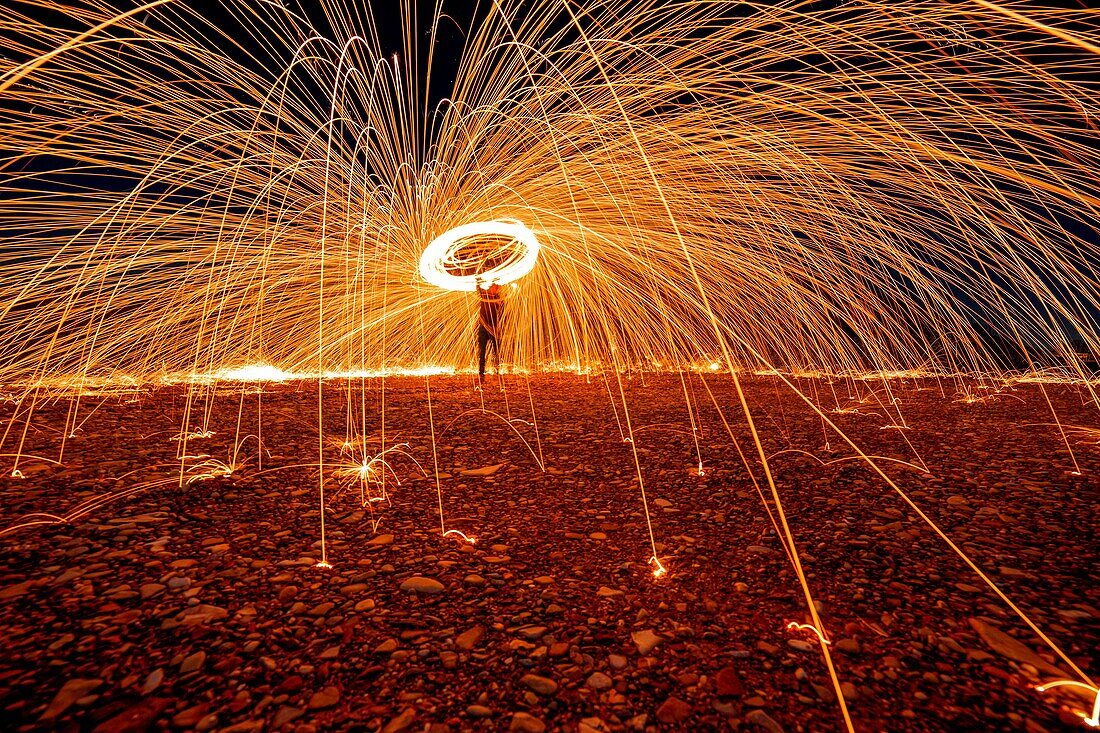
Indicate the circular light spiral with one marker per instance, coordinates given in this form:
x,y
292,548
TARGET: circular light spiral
x,y
443,256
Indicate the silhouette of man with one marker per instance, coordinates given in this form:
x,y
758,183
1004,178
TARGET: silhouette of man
x,y
490,310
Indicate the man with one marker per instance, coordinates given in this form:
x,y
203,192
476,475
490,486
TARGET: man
x,y
490,309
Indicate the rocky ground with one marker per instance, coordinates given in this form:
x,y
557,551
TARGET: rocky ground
x,y
203,607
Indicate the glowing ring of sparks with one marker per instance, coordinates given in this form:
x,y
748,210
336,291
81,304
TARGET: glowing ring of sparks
x,y
443,251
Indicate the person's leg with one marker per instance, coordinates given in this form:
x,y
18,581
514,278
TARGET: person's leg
x,y
483,337
496,354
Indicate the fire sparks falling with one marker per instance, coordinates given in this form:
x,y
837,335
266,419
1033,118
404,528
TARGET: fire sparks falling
x,y
868,187
875,186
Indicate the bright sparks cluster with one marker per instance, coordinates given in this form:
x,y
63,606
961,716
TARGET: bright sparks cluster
x,y
839,186
244,191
